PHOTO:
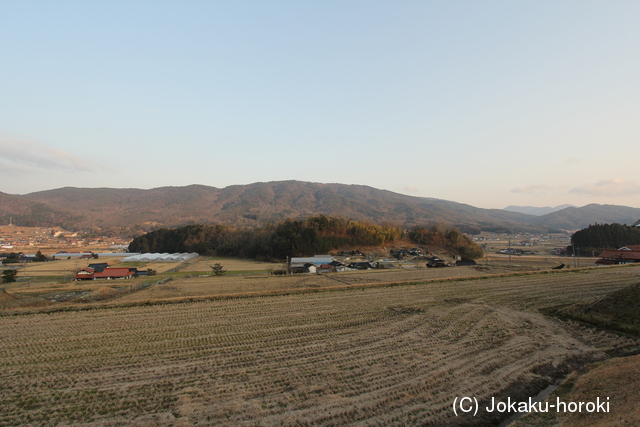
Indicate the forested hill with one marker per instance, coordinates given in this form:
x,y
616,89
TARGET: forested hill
x,y
315,235
28,213
268,202
601,237
131,212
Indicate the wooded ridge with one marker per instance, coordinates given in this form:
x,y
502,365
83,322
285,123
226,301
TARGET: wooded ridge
x,y
315,235
135,211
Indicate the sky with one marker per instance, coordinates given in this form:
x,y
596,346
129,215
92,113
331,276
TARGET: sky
x,y
488,103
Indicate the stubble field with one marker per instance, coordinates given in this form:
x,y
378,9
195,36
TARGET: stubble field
x,y
199,286
388,355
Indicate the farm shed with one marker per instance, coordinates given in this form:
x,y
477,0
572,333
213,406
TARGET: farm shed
x,y
434,261
467,262
99,266
303,268
385,265
361,265
325,268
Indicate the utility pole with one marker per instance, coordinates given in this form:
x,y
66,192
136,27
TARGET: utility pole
x,y
26,276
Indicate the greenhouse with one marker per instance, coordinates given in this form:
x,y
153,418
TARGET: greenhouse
x,y
164,257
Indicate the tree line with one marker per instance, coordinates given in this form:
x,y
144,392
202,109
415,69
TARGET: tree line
x,y
314,235
600,237
450,239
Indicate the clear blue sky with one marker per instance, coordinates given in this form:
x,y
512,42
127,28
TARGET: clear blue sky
x,y
489,103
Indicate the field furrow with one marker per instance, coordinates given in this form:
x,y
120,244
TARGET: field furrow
x,y
368,356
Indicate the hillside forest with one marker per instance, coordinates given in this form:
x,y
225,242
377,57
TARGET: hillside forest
x,y
314,235
600,237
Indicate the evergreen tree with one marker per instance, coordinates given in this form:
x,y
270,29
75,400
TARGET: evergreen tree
x,y
9,276
218,269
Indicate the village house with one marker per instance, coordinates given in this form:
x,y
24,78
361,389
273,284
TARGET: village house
x,y
308,264
434,262
99,266
625,255
361,265
109,273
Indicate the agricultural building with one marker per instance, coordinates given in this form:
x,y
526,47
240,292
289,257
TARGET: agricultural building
x,y
309,264
106,273
164,257
89,255
361,265
385,265
434,261
625,255
99,266
325,268
317,260
304,268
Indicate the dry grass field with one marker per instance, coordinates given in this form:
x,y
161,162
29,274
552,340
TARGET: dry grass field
x,y
211,286
355,355
542,244
616,379
204,265
63,270
194,279
54,268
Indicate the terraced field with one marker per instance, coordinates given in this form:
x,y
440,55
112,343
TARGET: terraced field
x,y
395,355
208,286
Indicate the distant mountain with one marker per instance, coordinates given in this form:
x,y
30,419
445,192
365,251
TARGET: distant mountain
x,y
578,218
134,211
20,211
537,211
264,202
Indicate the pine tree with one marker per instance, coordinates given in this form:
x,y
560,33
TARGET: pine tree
x,y
218,269
9,276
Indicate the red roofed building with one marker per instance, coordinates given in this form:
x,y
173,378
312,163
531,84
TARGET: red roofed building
x,y
115,273
86,274
625,255
108,273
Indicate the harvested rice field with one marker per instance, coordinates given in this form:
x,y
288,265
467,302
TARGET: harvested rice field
x,y
355,355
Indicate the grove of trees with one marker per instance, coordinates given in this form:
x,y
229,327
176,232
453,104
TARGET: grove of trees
x,y
599,237
314,235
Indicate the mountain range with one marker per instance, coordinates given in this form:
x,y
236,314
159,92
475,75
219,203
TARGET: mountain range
x,y
133,211
533,210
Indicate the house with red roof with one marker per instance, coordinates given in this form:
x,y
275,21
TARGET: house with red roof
x,y
625,255
85,274
109,273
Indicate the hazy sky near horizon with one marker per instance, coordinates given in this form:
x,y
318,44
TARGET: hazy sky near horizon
x,y
489,103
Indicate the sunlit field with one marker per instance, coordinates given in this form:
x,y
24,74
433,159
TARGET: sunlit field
x,y
355,355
